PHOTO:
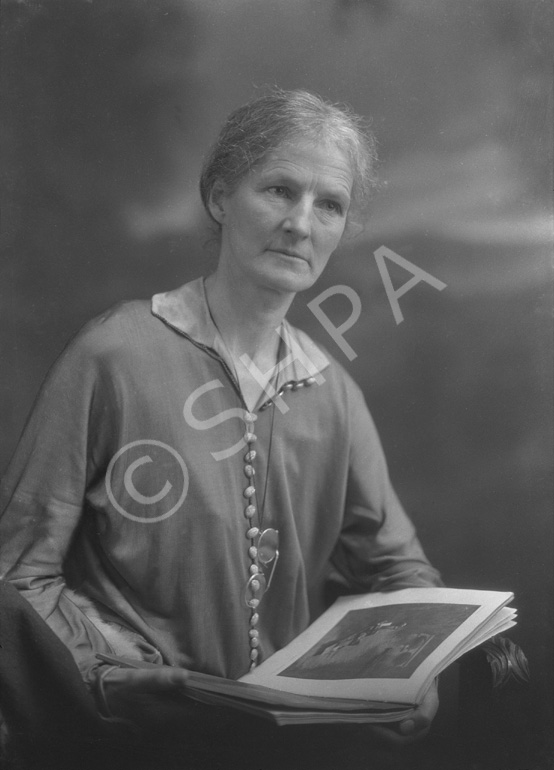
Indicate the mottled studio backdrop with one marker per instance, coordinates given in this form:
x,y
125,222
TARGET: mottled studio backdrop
x,y
108,108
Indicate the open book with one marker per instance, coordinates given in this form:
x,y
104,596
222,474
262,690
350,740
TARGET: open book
x,y
369,658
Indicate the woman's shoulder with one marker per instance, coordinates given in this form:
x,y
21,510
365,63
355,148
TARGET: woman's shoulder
x,y
123,312
328,366
122,328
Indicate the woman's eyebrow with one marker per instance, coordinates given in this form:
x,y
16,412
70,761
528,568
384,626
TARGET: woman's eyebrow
x,y
288,176
342,193
280,175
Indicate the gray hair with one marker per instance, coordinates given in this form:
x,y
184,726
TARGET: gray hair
x,y
263,124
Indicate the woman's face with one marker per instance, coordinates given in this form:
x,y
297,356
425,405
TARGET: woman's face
x,y
286,217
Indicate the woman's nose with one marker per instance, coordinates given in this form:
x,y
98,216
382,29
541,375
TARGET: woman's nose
x,y
298,221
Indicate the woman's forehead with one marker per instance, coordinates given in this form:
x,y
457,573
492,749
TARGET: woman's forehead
x,y
324,159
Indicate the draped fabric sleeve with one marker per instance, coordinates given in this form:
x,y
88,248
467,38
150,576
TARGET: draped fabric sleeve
x,y
66,444
377,549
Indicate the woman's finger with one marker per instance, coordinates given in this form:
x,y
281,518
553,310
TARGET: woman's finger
x,y
148,680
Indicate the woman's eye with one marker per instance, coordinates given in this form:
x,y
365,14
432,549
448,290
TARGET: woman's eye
x,y
279,190
332,206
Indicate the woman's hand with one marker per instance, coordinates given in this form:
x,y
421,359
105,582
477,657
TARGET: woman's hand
x,y
148,697
156,698
416,726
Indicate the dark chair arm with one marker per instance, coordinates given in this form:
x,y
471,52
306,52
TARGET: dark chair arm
x,y
507,661
492,727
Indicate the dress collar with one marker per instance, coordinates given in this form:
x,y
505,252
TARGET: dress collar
x,y
186,310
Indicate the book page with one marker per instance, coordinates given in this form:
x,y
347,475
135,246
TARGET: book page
x,y
384,647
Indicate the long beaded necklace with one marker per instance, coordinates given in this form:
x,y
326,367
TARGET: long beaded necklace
x,y
264,543
263,549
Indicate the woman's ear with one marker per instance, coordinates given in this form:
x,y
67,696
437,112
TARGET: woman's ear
x,y
216,202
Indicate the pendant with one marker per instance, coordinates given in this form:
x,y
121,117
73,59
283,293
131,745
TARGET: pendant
x,y
264,554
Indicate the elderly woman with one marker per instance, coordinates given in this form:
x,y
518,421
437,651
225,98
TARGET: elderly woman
x,y
197,473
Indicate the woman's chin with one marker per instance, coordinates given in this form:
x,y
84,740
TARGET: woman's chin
x,y
288,278
288,284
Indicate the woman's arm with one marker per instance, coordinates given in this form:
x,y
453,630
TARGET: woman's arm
x,y
63,446
378,549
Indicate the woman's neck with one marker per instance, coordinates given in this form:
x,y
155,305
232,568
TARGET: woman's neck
x,y
247,319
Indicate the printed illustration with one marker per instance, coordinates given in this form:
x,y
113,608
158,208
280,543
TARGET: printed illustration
x,y
380,642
